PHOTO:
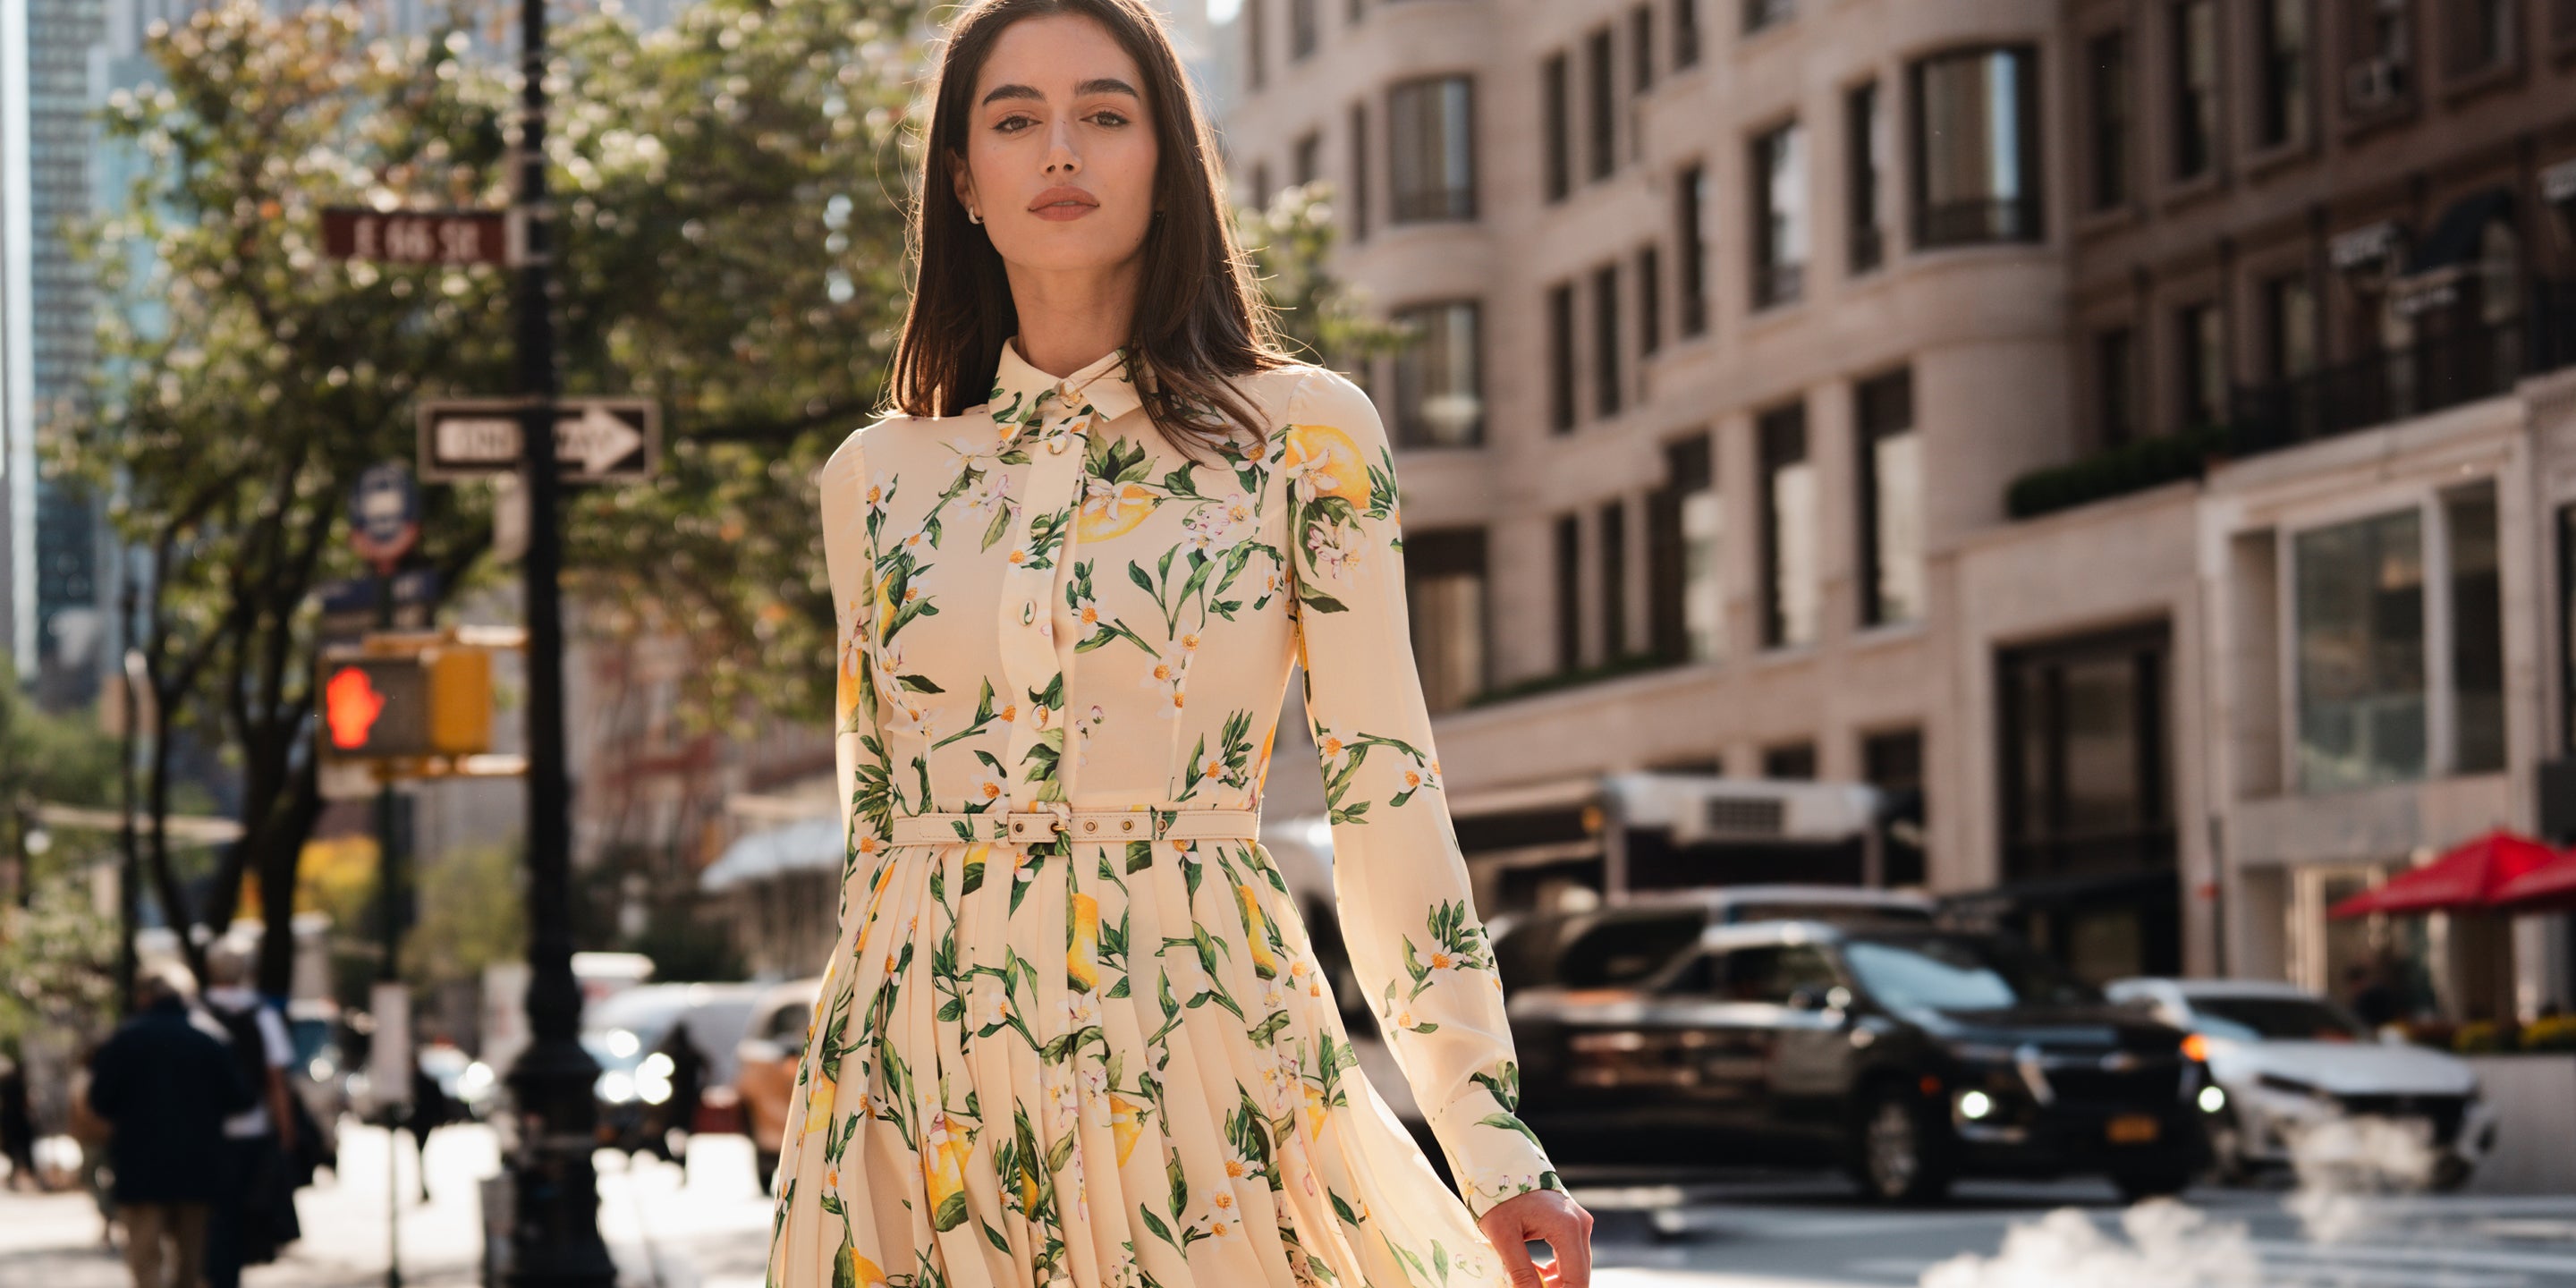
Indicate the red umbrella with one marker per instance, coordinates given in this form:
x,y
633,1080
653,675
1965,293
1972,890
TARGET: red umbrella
x,y
2551,886
2468,878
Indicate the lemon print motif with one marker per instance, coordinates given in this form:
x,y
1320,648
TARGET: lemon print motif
x,y
1126,1123
856,1271
943,1170
1256,932
1109,509
818,1101
1081,962
1323,461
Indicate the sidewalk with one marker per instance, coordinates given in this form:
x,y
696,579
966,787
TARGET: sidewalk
x,y
52,1241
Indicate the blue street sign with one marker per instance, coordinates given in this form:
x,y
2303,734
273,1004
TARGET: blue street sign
x,y
384,514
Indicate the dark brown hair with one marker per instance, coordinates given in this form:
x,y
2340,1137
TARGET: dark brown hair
x,y
1200,319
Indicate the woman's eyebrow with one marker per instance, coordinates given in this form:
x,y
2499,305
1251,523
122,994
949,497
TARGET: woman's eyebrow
x,y
1096,85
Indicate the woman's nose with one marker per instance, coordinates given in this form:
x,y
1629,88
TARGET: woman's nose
x,y
1061,161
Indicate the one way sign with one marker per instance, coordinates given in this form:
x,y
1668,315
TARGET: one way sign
x,y
597,440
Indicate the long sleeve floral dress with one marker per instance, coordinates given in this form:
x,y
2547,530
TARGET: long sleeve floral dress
x,y
1116,1063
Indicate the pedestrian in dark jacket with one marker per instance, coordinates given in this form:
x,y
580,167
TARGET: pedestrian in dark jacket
x,y
165,1086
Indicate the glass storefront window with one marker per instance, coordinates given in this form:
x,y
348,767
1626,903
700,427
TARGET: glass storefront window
x,y
1444,587
2360,652
2477,629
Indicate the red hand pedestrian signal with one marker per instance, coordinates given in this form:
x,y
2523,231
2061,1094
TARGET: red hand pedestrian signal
x,y
350,705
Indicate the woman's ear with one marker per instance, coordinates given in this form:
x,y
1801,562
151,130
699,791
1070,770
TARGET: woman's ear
x,y
962,182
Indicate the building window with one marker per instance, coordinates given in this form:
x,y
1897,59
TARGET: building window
x,y
1444,587
2480,35
1892,762
1560,357
1262,192
2360,652
1641,49
1685,34
1685,525
1976,148
1608,380
1601,109
2202,343
2289,327
1690,237
2282,32
1307,160
2108,104
1650,300
1614,581
1891,501
2381,76
1865,152
1790,762
2562,21
1256,54
1760,14
1557,130
1790,585
2195,87
1354,10
1358,201
1305,28
2115,384
1779,189
1433,156
1439,377
1569,592
2477,629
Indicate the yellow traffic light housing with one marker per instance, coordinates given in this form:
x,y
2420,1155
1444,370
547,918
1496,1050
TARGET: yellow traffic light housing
x,y
406,697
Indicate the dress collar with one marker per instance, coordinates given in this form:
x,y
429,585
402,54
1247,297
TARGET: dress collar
x,y
1107,386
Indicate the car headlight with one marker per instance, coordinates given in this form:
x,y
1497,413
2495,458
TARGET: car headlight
x,y
616,1087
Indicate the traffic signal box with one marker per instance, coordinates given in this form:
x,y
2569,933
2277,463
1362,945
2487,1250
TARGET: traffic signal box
x,y
402,701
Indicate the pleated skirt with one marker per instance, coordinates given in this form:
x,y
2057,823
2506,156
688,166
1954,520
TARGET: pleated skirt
x,y
1115,1065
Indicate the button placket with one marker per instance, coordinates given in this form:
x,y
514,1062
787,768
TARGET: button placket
x,y
1030,660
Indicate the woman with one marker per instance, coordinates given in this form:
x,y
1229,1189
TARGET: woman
x,y
1073,1032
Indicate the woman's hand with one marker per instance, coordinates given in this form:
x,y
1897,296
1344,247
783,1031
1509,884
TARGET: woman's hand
x,y
1550,1216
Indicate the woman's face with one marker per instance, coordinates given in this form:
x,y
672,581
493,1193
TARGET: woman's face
x,y
1060,153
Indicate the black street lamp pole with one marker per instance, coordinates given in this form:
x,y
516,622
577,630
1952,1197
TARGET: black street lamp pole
x,y
554,1233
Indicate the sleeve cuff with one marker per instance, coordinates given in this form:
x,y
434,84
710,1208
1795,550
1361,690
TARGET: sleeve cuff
x,y
1493,1155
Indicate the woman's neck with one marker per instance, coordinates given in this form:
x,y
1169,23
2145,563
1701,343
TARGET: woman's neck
x,y
1069,320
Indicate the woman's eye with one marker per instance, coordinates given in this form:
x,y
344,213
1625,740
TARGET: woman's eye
x,y
1012,124
1109,118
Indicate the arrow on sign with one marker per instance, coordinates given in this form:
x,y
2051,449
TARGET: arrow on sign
x,y
597,440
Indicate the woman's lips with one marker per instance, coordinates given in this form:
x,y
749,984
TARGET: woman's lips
x,y
1061,204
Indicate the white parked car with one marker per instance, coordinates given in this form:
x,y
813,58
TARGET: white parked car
x,y
2287,1060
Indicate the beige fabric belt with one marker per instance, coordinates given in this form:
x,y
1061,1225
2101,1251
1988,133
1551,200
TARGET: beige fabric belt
x,y
1105,825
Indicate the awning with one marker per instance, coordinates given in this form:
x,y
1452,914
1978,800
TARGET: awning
x,y
2551,887
2468,879
813,845
2455,236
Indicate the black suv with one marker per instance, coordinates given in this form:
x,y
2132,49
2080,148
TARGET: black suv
x,y
1911,1055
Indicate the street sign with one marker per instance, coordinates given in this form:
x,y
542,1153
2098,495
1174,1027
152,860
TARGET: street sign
x,y
416,236
384,515
597,440
349,607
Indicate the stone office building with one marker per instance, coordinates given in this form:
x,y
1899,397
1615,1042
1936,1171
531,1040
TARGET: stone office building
x,y
2129,421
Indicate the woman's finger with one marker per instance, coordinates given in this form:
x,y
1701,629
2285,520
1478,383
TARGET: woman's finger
x,y
1514,1251
1570,1234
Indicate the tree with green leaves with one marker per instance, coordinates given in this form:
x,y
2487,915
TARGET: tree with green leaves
x,y
730,198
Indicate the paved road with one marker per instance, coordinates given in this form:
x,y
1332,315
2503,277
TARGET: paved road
x,y
1663,1229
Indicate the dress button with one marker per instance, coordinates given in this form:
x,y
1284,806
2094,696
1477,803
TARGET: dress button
x,y
1055,446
